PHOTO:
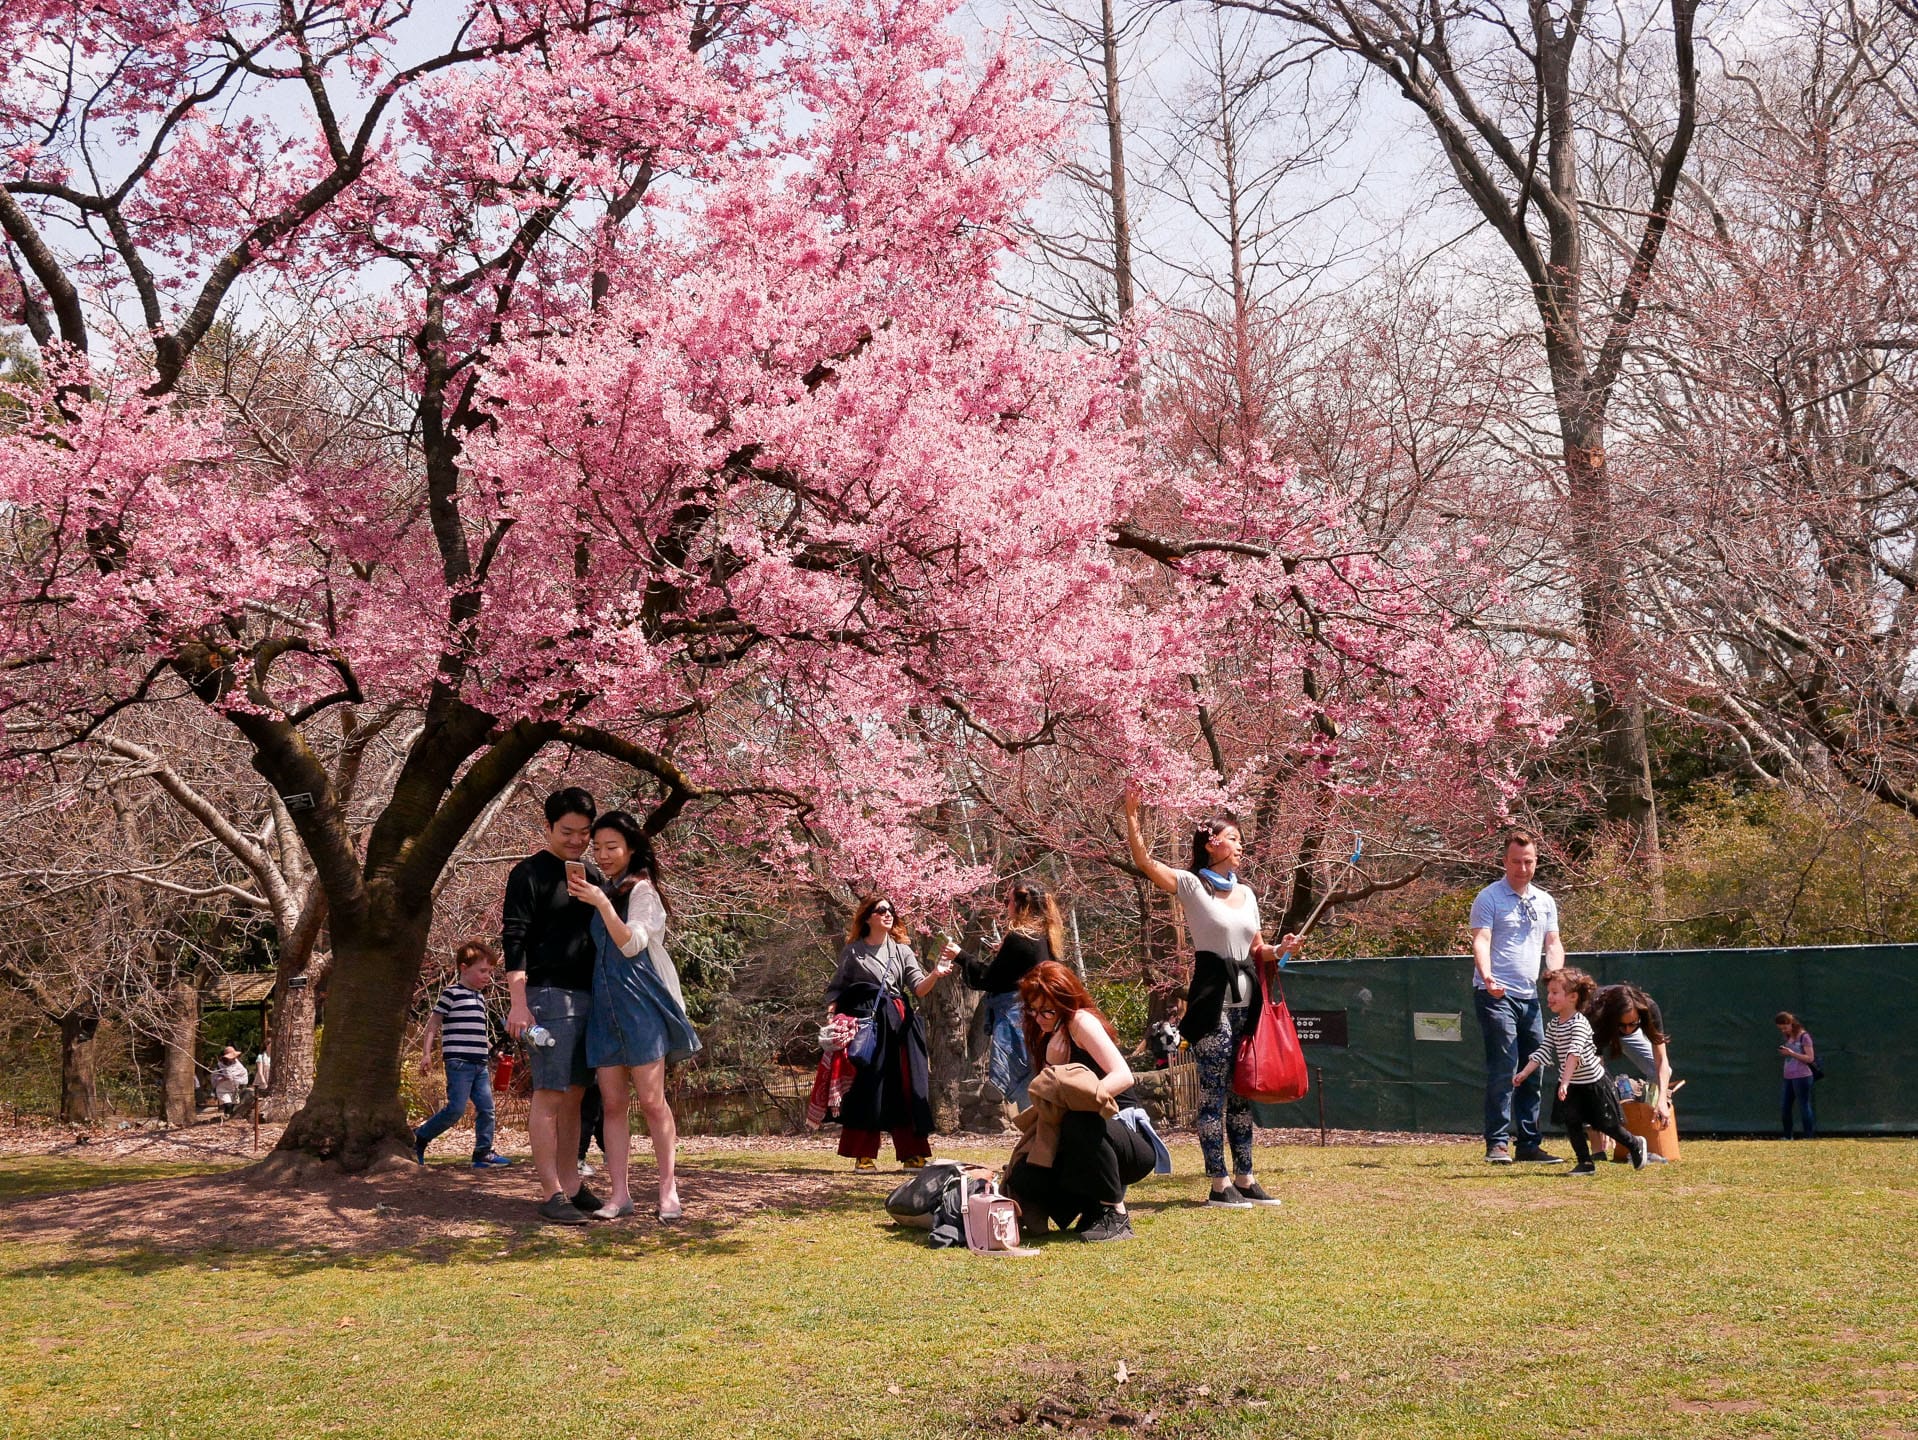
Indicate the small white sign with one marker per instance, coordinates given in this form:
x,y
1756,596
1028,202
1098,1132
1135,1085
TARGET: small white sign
x,y
1433,1025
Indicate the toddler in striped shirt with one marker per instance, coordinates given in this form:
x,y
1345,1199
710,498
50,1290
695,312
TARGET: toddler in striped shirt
x,y
1585,1096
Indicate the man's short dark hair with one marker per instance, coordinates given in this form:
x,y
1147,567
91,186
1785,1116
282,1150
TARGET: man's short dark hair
x,y
1519,837
570,801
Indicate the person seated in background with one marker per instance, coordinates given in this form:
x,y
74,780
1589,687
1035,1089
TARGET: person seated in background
x,y
229,1080
1162,1040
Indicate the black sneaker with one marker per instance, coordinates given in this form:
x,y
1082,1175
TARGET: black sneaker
x,y
585,1200
1587,1169
561,1211
1113,1225
1538,1156
1640,1149
1255,1192
1498,1155
1230,1198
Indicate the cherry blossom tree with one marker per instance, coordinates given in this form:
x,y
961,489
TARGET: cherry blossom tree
x,y
687,431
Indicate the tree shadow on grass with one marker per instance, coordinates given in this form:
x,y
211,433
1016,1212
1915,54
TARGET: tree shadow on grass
x,y
403,1214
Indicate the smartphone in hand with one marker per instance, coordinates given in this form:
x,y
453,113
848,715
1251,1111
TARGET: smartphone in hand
x,y
576,868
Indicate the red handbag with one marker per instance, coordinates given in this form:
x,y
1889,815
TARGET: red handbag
x,y
1270,1067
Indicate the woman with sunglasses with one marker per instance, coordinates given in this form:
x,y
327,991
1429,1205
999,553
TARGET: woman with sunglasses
x,y
877,980
1627,1022
1222,917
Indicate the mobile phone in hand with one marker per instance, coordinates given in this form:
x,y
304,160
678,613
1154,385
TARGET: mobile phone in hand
x,y
576,867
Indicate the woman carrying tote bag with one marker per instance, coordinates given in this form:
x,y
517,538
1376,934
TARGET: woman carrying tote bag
x,y
1222,916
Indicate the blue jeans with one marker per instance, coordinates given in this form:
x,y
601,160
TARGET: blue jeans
x,y
1797,1087
1008,1067
1513,1030
465,1080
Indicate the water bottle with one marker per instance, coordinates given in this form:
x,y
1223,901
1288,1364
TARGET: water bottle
x,y
539,1035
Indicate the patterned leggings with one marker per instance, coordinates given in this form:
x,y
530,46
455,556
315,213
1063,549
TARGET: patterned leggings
x,y
1221,1113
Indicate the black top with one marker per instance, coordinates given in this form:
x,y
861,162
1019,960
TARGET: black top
x,y
1018,953
543,930
1214,979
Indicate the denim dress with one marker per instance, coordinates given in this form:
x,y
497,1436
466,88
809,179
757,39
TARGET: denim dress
x,y
637,1015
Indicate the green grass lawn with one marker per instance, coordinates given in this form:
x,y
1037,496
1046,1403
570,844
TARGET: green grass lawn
x,y
1754,1289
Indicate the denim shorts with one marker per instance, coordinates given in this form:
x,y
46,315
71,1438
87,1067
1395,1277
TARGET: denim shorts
x,y
561,1065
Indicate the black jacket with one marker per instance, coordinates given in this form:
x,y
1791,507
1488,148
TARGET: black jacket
x,y
1212,977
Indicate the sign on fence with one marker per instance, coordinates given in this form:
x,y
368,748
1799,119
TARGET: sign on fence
x,y
1320,1027
1437,1025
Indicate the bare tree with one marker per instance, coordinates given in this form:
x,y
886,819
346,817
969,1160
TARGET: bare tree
x,y
1776,397
1501,88
1087,279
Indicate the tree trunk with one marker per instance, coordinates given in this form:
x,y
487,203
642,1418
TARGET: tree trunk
x,y
177,1050
355,1117
290,1047
1604,615
1115,160
79,1093
947,1012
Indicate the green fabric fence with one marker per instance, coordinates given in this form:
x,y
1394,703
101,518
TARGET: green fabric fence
x,y
1414,1059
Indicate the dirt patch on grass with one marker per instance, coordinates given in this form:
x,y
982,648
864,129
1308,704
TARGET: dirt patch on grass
x,y
402,1207
1718,1407
1073,1401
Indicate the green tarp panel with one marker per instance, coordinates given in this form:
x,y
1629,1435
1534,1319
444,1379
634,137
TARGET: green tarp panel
x,y
1415,1060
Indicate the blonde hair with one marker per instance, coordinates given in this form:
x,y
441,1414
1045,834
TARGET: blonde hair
x,y
1035,912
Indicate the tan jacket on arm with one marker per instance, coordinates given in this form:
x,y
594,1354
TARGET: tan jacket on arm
x,y
1055,1090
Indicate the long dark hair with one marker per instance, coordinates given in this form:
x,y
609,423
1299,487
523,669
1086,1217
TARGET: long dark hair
x,y
862,917
643,860
1208,830
1055,986
1606,1012
1036,913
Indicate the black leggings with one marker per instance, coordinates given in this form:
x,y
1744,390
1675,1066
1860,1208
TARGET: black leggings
x,y
1591,1106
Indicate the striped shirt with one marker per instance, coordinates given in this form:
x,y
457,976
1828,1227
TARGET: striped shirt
x,y
1568,1047
463,1032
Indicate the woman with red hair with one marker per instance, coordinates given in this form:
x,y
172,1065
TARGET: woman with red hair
x,y
1084,1187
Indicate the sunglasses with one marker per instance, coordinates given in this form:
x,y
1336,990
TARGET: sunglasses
x,y
1629,1027
882,910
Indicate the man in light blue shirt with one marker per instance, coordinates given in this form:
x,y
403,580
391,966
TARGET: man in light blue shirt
x,y
1514,940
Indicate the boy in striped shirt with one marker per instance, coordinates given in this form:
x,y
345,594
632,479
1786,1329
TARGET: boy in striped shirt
x,y
1585,1096
460,1025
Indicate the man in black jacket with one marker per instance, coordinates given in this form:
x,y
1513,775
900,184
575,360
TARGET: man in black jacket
x,y
547,939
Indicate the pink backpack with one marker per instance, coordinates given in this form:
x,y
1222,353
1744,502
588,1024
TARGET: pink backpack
x,y
992,1220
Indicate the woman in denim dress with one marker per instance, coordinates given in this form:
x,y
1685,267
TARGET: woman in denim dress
x,y
639,1020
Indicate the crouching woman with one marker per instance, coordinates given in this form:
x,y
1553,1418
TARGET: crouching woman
x,y
1072,1164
